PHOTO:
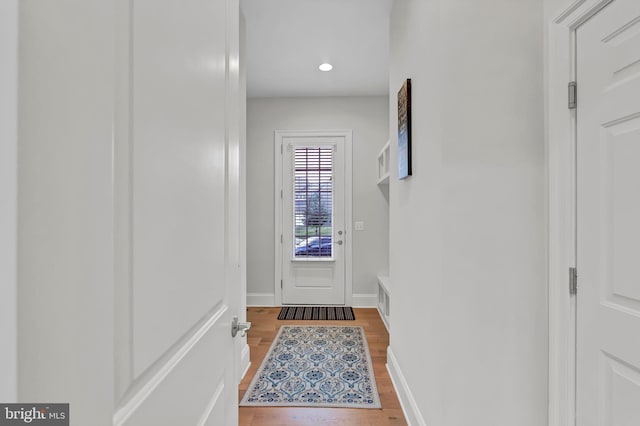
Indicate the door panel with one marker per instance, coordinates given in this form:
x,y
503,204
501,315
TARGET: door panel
x,y
168,404
178,106
313,223
608,212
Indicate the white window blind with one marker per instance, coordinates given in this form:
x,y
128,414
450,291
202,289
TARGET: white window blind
x,y
313,201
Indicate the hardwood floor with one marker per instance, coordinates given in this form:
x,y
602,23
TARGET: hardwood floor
x,y
266,325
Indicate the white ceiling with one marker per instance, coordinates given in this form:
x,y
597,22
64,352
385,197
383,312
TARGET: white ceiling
x,y
287,40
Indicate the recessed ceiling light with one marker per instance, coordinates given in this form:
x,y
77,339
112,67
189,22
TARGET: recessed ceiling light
x,y
325,67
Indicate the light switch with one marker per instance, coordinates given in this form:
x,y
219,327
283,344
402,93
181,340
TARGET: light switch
x,y
359,226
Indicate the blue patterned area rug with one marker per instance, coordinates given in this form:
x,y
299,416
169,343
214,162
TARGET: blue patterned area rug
x,y
315,366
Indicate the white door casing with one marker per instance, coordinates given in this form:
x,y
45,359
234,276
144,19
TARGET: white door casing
x,y
561,148
608,216
176,178
304,277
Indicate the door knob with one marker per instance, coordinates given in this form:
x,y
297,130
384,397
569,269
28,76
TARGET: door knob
x,y
339,242
241,327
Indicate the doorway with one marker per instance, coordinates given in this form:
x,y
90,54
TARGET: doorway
x,y
593,193
608,207
313,213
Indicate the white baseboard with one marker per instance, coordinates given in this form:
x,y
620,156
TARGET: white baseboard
x,y
268,299
245,362
385,320
261,299
407,401
365,300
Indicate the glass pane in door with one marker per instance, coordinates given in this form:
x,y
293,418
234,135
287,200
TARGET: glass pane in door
x,y
313,202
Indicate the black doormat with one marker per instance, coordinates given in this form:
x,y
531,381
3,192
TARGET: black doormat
x,y
329,313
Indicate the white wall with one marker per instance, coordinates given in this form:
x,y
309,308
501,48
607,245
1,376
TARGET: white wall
x,y
8,200
368,118
65,220
468,230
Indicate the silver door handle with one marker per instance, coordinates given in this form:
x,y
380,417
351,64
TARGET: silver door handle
x,y
241,327
339,242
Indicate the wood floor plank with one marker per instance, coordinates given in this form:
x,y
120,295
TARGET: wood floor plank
x,y
265,325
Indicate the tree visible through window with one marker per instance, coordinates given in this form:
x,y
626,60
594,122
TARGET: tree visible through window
x,y
313,201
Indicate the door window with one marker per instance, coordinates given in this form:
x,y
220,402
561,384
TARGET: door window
x,y
313,202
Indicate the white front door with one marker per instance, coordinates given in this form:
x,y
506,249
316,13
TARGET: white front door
x,y
313,200
608,217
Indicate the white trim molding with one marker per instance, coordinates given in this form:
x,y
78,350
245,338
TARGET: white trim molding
x,y
261,299
408,403
365,300
561,150
245,362
348,207
269,299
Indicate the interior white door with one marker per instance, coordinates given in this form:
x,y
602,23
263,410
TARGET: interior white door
x,y
313,219
178,290
608,217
